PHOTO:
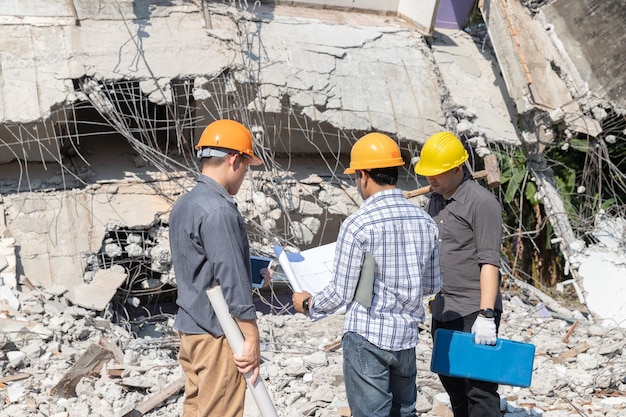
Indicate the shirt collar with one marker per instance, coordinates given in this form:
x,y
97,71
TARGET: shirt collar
x,y
460,194
380,194
216,186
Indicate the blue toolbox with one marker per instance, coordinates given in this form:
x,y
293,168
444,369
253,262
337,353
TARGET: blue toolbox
x,y
508,362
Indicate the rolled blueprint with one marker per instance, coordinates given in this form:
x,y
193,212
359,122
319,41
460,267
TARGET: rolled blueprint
x,y
235,339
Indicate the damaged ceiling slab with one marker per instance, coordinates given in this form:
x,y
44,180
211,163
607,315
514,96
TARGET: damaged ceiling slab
x,y
332,71
563,65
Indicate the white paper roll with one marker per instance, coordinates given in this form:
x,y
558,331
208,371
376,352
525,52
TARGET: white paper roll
x,y
235,339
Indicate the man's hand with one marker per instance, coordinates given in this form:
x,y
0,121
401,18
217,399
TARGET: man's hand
x,y
267,274
249,359
297,298
484,331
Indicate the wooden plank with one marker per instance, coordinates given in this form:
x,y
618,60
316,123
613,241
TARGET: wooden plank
x,y
117,373
14,377
493,170
569,333
90,362
110,345
153,401
580,348
331,347
425,190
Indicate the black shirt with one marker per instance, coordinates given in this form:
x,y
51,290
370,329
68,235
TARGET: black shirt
x,y
470,234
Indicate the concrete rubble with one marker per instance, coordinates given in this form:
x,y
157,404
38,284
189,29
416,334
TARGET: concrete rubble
x,y
62,360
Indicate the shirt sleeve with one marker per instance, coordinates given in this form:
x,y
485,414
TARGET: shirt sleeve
x,y
488,230
224,237
431,279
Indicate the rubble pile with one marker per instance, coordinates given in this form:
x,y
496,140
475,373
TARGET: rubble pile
x,y
62,360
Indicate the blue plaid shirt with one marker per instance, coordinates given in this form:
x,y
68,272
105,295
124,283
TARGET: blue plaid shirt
x,y
403,240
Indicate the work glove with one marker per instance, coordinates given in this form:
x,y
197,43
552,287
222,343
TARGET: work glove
x,y
484,331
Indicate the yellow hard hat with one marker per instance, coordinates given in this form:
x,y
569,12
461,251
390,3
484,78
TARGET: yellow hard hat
x,y
228,134
441,152
374,150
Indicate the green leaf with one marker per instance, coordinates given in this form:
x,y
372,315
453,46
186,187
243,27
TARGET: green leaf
x,y
579,145
530,192
608,203
513,186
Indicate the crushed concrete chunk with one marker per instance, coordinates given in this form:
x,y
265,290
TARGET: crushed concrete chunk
x,y
97,294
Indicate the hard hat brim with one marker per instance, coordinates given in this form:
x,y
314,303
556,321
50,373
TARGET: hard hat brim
x,y
367,165
254,160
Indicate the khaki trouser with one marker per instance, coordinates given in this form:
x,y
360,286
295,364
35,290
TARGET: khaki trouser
x,y
213,385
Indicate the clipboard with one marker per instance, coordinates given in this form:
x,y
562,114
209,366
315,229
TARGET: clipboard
x,y
257,263
365,287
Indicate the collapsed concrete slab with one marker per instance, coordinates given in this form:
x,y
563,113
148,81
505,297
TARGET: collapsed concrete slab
x,y
97,294
108,110
351,71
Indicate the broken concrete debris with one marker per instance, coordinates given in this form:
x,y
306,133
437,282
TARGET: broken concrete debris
x,y
98,293
59,359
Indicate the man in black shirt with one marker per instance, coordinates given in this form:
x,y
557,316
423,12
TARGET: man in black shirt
x,y
469,219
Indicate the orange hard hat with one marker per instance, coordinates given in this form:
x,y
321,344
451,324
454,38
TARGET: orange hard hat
x,y
374,150
229,134
441,152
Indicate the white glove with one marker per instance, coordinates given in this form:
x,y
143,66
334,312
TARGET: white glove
x,y
484,331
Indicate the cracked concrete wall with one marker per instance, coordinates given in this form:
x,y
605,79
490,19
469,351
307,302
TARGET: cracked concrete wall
x,y
55,230
593,33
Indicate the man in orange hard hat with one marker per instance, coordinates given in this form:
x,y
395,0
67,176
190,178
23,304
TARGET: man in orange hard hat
x,y
210,247
380,332
469,218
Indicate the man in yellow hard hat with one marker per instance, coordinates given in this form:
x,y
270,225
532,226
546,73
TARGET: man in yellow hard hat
x,y
380,333
469,218
210,247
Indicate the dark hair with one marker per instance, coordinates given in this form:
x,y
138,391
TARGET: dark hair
x,y
384,176
214,161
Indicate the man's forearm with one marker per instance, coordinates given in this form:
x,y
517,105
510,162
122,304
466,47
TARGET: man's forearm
x,y
249,329
489,285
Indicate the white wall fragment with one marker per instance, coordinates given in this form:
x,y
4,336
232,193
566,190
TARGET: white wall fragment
x,y
97,294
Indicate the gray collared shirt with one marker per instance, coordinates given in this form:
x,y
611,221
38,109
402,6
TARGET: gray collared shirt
x,y
470,234
210,247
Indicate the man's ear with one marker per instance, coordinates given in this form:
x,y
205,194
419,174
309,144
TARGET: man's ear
x,y
233,160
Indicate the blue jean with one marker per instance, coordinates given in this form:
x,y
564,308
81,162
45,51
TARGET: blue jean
x,y
379,383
